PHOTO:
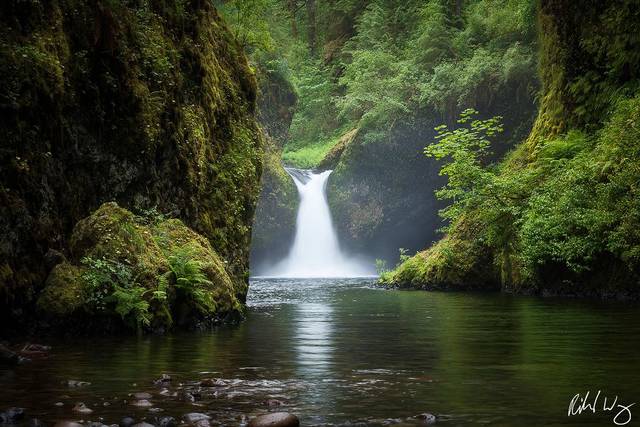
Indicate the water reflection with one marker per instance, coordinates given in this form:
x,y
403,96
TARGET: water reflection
x,y
313,340
341,351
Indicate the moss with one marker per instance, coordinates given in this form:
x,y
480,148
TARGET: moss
x,y
459,261
65,291
174,238
113,248
149,103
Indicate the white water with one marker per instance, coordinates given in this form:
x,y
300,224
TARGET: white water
x,y
315,251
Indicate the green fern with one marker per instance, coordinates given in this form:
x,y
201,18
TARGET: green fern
x,y
191,280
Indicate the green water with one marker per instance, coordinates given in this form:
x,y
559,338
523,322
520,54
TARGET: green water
x,y
341,352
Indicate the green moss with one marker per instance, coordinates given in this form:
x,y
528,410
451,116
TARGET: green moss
x,y
65,291
124,266
150,103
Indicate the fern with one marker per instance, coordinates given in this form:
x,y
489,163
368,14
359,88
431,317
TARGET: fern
x,y
191,280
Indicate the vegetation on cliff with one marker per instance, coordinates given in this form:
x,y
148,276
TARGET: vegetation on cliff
x,y
560,214
147,103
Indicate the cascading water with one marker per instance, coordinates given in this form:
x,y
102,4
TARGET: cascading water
x,y
315,251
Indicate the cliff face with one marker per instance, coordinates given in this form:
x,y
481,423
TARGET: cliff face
x,y
566,214
147,103
274,223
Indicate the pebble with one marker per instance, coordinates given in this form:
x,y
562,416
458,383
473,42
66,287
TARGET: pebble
x,y
67,424
167,422
76,383
127,422
142,395
59,404
143,424
194,417
427,418
276,419
163,379
81,408
155,410
142,403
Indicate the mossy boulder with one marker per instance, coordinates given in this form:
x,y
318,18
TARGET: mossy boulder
x,y
147,272
148,103
64,291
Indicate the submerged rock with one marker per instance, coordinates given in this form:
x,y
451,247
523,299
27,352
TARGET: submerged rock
x,y
166,422
11,415
426,417
276,419
163,380
142,395
126,422
195,417
76,383
66,423
81,408
142,403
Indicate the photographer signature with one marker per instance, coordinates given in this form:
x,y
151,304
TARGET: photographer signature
x,y
580,404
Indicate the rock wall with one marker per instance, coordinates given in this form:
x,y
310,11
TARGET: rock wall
x,y
149,103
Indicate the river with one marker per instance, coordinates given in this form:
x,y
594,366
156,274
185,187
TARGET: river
x,y
342,351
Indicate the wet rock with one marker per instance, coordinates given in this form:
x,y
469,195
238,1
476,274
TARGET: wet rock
x,y
59,404
195,417
155,410
142,395
81,408
143,424
165,392
142,403
76,383
34,422
95,424
163,380
211,382
67,424
53,258
273,403
166,422
9,357
188,397
276,419
11,415
426,418
127,422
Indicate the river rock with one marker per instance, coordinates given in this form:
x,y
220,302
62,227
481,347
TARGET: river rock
x,y
426,418
142,395
273,402
67,424
76,383
276,419
127,422
34,422
210,382
81,408
195,417
142,403
163,380
143,424
11,415
166,422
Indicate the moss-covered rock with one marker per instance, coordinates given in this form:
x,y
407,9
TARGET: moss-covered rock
x,y
146,272
147,103
64,291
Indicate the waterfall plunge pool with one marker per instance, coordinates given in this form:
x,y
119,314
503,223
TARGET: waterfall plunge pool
x,y
341,352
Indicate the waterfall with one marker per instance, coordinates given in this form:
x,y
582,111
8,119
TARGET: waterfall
x,y
315,251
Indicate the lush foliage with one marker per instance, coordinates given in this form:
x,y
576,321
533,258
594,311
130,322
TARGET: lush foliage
x,y
388,62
